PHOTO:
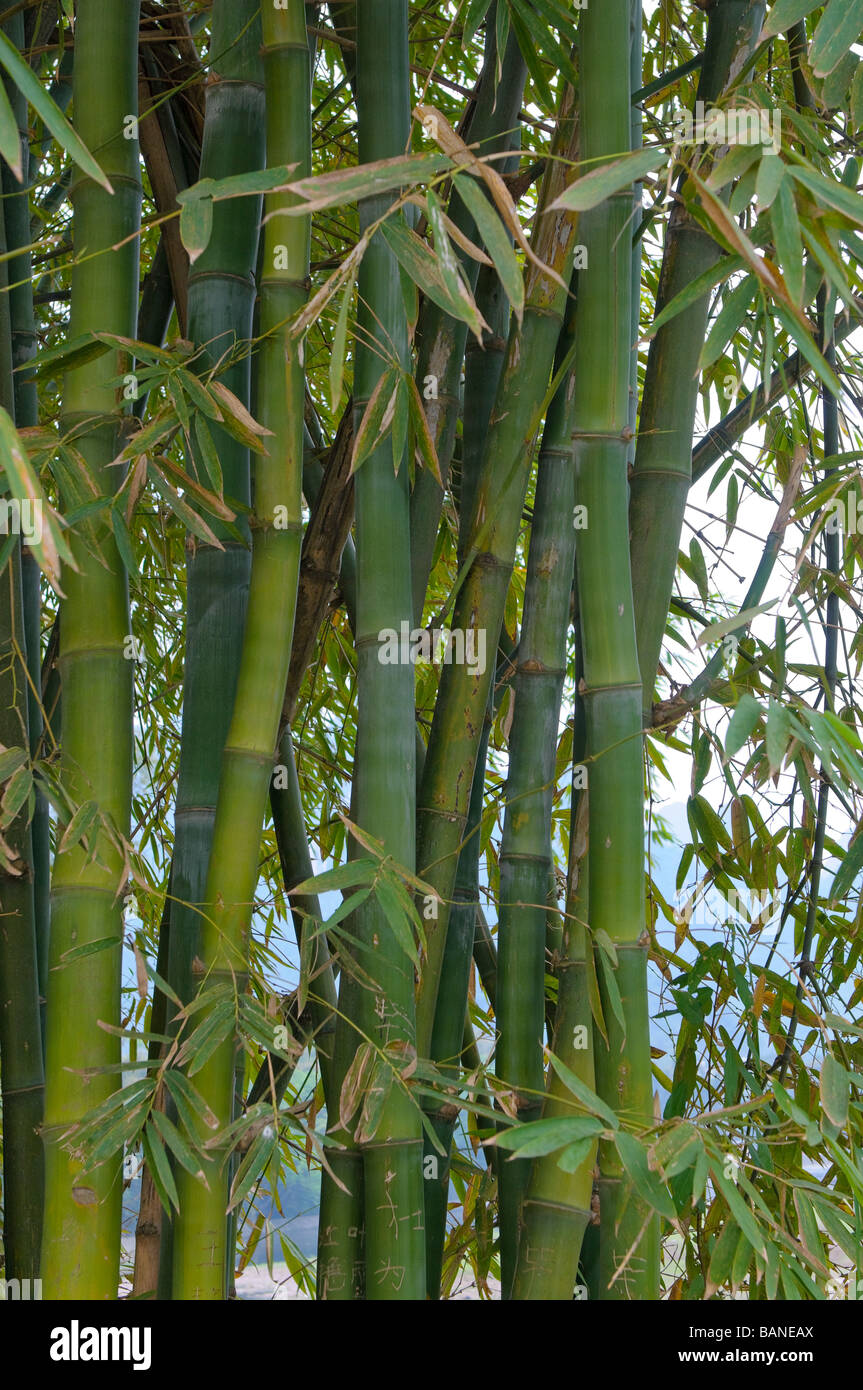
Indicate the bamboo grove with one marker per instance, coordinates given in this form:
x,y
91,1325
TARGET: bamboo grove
x,y
431,733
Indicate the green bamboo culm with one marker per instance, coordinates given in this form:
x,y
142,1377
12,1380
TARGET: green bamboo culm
x,y
663,458
385,756
493,528
611,685
81,1236
21,1071
441,339
26,413
557,1204
22,888
221,300
249,752
526,861
483,366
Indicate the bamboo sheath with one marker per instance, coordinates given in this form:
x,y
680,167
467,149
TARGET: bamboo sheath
x,y
81,1236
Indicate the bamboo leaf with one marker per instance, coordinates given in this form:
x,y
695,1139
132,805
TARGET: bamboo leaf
x,y
10,140
744,719
741,1213
237,420
838,28
830,191
848,870
426,270
694,291
546,1136
834,1091
45,538
177,1144
377,418
786,233
10,760
424,441
593,188
714,632
785,14
364,181
583,1093
196,226
647,1184
29,86
190,1104
81,824
160,1168
348,875
496,239
570,1159
180,507
474,16
398,919
340,339
778,734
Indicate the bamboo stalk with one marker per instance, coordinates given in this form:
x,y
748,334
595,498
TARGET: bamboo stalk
x,y
26,413
384,763
557,1204
611,687
21,1069
81,1237
494,526
221,295
247,759
663,458
441,339
526,861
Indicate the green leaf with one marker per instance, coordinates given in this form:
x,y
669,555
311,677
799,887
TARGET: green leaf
x,y
593,189
340,339
365,181
778,734
210,458
830,191
10,140
46,541
160,1168
785,14
848,870
497,240
29,85
196,226
722,1258
714,632
10,759
741,1213
473,18
81,824
191,1106
426,270
177,1144
333,880
189,517
771,175
589,1100
547,1136
786,233
647,1184
834,1091
574,1156
377,418
397,918
695,290
839,27
744,719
